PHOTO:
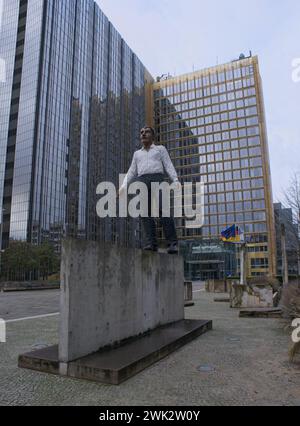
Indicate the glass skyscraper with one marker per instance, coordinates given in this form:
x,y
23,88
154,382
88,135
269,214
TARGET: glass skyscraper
x,y
71,106
213,124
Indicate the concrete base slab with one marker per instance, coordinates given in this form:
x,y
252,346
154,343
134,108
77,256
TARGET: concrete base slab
x,y
261,313
189,304
114,366
222,300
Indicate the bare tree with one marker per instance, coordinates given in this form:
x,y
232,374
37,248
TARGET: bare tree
x,y
292,201
290,301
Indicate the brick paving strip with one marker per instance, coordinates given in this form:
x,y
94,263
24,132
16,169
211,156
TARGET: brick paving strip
x,y
55,314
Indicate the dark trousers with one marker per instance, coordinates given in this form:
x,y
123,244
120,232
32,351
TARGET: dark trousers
x,y
148,223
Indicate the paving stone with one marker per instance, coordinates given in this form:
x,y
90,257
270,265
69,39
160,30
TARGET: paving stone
x,y
253,371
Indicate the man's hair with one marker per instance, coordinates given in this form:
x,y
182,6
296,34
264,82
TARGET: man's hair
x,y
152,130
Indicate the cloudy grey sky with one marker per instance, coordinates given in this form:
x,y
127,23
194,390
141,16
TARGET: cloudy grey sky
x,y
181,36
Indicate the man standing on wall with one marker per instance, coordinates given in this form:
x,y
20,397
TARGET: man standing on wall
x,y
149,165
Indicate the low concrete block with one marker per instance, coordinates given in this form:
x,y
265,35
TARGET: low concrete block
x,y
110,294
222,300
243,296
261,313
217,286
188,291
13,286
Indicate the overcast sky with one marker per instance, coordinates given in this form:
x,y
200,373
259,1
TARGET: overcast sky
x,y
178,36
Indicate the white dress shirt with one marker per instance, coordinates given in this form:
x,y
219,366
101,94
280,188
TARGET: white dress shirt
x,y
152,161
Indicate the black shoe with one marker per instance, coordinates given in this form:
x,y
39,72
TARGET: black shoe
x,y
173,248
150,247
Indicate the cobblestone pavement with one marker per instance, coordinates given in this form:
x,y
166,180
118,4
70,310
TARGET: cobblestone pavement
x,y
28,303
249,358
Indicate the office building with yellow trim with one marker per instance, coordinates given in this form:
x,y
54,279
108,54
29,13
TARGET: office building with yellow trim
x,y
213,124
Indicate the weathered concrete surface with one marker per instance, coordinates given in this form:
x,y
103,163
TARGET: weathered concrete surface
x,y
110,294
256,296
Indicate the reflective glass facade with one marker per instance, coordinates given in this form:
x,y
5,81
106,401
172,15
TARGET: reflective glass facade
x,y
284,217
213,125
9,96
207,259
71,109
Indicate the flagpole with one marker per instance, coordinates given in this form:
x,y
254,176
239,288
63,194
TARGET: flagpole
x,y
235,235
243,264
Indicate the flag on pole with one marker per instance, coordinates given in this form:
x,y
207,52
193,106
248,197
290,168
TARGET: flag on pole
x,y
233,234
